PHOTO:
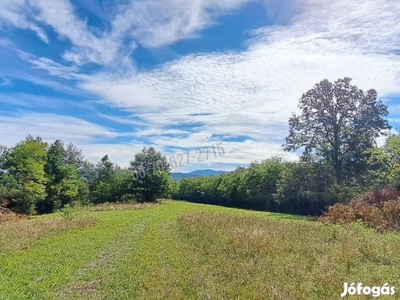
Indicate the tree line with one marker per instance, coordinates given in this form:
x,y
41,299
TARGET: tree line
x,y
334,133
37,177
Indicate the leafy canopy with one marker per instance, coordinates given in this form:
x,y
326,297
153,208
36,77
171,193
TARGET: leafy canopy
x,y
337,123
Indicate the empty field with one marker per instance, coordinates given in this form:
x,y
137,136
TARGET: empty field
x,y
178,250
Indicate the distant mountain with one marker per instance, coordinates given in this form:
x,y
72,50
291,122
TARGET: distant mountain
x,y
197,173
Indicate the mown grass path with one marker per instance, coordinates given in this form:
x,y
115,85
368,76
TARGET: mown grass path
x,y
179,250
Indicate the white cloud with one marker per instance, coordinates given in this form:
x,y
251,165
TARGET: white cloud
x,y
38,79
50,127
121,154
52,67
254,92
249,93
87,47
33,101
151,23
123,120
14,13
159,23
6,42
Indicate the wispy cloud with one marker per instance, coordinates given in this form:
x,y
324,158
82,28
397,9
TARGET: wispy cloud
x,y
14,13
53,68
251,92
50,127
130,23
33,101
6,42
159,23
254,92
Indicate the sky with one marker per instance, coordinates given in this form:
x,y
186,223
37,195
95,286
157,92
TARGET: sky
x,y
113,76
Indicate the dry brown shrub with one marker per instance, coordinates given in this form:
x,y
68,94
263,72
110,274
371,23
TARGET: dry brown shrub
x,y
6,215
339,214
378,197
391,213
379,208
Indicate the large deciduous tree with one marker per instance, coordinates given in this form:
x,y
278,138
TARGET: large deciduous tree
x,y
337,123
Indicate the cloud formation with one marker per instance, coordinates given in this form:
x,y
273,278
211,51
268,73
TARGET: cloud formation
x,y
254,92
187,102
150,23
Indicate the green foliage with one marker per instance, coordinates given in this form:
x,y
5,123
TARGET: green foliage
x,y
232,188
103,181
26,176
5,188
74,156
67,212
384,163
65,185
199,189
102,193
3,158
337,124
304,188
254,188
261,183
155,169
336,130
110,183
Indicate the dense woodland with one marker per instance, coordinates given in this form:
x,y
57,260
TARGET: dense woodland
x,y
334,133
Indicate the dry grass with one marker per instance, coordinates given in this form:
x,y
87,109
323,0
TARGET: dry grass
x,y
23,232
251,258
20,231
120,206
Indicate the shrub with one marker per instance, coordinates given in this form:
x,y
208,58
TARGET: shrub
x,y
339,214
6,215
378,208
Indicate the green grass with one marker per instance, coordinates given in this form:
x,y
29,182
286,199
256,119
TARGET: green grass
x,y
179,250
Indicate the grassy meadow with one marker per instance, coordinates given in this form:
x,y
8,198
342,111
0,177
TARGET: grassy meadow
x,y
179,250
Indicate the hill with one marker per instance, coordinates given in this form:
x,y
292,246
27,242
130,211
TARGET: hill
x,y
197,173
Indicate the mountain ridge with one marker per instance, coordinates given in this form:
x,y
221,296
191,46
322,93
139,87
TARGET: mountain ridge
x,y
197,173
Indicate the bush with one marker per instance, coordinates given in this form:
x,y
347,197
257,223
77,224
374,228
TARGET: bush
x,y
339,214
379,208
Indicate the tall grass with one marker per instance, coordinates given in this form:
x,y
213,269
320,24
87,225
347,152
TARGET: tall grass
x,y
244,257
190,251
23,233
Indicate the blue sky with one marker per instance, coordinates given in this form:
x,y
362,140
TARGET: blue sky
x,y
112,76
